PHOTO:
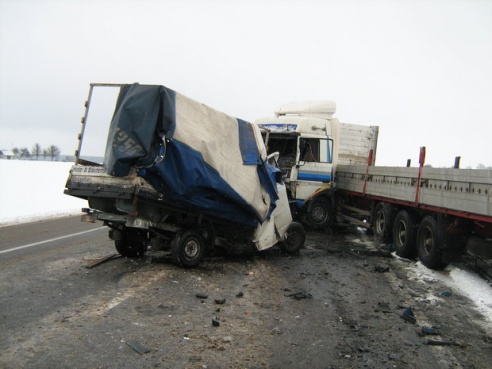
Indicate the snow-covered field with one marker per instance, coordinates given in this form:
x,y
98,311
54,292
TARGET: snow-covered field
x,y
32,190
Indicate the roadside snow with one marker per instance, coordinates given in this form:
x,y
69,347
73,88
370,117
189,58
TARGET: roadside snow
x,y
459,282
33,190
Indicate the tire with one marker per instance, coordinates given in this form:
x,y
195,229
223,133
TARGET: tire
x,y
188,249
382,222
429,246
319,214
294,238
131,244
405,234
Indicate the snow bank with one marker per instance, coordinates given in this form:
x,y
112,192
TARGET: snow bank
x,y
463,282
32,190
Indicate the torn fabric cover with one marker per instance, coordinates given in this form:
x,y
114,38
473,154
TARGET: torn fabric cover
x,y
211,161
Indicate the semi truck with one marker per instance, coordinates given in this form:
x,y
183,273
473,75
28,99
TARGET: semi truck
x,y
176,174
437,214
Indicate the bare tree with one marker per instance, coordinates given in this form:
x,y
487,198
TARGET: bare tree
x,y
24,152
53,152
36,150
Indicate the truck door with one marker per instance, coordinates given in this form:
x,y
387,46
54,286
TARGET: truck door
x,y
315,166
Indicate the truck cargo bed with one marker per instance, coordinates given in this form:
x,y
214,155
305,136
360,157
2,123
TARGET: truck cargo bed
x,y
465,191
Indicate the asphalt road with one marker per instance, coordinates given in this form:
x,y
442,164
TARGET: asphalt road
x,y
338,304
25,239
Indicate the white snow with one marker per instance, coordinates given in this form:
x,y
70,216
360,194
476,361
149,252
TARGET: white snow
x,y
33,190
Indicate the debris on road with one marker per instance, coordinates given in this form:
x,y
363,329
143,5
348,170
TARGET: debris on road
x,y
103,260
201,296
441,343
380,268
432,331
408,315
220,301
299,295
138,347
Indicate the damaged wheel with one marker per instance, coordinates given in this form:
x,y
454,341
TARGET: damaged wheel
x,y
294,238
129,243
188,249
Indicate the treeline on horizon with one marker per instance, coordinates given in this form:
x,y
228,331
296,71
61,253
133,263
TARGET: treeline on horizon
x,y
37,152
53,152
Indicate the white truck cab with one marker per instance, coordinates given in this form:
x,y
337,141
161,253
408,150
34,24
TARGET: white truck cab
x,y
311,142
306,136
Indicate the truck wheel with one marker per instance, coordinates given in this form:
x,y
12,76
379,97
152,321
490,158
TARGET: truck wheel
x,y
429,244
320,214
404,234
294,238
188,249
130,243
382,222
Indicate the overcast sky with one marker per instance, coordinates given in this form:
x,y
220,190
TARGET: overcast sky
x,y
420,70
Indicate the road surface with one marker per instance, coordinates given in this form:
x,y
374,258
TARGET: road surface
x,y
338,304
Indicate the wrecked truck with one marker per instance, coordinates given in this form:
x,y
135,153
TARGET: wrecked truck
x,y
177,175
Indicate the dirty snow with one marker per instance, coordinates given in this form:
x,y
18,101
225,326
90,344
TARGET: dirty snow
x,y
33,190
458,282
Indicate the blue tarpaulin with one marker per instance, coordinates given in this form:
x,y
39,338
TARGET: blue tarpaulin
x,y
191,153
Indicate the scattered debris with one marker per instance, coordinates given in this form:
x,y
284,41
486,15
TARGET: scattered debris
x,y
220,301
380,268
446,294
215,322
408,315
441,343
276,330
201,296
240,294
300,295
372,252
138,347
103,260
434,331
383,307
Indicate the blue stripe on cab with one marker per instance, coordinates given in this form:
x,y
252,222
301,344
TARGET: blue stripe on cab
x,y
314,177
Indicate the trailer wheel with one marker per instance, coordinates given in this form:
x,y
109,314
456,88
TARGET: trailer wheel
x,y
129,243
320,214
382,222
404,234
294,238
429,244
188,249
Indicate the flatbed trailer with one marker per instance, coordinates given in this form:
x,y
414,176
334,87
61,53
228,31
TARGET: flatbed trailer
x,y
437,213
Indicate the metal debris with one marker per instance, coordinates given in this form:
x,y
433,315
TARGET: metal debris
x,y
138,347
103,260
300,295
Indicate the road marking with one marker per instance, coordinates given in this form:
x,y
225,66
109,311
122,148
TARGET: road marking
x,y
51,240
